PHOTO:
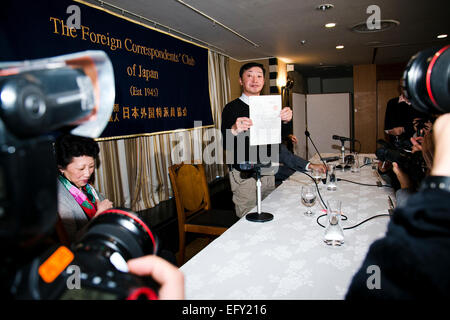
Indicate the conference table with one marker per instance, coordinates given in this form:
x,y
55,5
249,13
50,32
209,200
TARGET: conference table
x,y
286,258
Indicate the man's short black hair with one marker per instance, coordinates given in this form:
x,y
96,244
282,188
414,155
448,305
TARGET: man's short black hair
x,y
250,65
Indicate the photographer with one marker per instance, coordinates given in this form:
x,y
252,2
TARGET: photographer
x,y
413,257
408,187
402,121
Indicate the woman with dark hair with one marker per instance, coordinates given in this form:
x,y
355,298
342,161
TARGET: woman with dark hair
x,y
78,201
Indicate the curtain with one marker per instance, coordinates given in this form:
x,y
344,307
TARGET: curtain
x,y
133,172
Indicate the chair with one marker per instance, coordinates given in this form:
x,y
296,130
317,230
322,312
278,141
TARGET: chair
x,y
194,205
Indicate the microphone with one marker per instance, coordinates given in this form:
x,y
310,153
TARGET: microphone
x,y
335,137
343,164
326,168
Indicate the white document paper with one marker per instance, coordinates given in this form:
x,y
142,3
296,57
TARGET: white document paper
x,y
265,115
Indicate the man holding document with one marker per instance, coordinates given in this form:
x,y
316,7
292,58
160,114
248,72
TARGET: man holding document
x,y
265,116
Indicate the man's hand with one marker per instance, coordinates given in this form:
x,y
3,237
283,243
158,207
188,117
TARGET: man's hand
x,y
242,124
286,114
384,166
167,275
441,135
396,131
318,166
293,138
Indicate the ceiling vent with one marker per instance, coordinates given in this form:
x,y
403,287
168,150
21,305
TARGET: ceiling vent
x,y
384,25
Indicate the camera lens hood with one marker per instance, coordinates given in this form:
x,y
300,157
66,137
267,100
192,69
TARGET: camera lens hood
x,y
123,231
426,80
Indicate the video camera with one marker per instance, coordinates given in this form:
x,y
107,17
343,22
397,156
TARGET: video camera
x,y
72,92
412,164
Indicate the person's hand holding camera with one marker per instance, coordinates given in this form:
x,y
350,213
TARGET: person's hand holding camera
x,y
416,144
396,131
167,275
405,182
441,161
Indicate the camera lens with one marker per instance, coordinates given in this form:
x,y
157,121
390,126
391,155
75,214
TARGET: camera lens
x,y
121,231
426,80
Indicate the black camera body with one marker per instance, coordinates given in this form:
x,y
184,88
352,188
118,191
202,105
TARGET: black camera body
x,y
95,268
412,164
58,94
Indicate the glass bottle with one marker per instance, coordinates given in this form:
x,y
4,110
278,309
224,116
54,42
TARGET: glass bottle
x,y
331,177
334,234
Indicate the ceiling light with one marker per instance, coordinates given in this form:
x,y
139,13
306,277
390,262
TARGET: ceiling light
x,y
340,47
330,25
442,36
303,42
384,25
325,6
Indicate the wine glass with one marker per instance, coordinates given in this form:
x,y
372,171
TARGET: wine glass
x,y
309,198
317,175
355,164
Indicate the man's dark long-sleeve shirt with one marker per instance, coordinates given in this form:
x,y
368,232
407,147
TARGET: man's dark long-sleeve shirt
x,y
238,147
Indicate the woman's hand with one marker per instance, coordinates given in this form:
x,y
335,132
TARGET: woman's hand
x,y
103,205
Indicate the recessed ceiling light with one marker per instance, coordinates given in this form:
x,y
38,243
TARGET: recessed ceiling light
x,y
303,42
384,25
325,6
330,25
442,36
340,47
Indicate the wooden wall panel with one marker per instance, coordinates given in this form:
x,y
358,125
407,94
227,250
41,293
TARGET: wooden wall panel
x,y
365,106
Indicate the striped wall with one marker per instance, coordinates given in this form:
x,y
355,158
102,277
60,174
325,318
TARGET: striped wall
x,y
273,74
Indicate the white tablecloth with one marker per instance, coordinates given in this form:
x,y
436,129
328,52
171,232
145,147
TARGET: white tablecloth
x,y
286,258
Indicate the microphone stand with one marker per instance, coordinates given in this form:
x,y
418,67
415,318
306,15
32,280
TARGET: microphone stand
x,y
258,216
343,164
324,163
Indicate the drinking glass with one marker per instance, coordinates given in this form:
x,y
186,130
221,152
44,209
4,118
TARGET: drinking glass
x,y
355,164
317,175
331,178
334,234
309,198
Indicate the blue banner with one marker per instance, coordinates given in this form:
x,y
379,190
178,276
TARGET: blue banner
x,y
161,81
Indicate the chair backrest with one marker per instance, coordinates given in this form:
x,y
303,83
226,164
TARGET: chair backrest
x,y
190,188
